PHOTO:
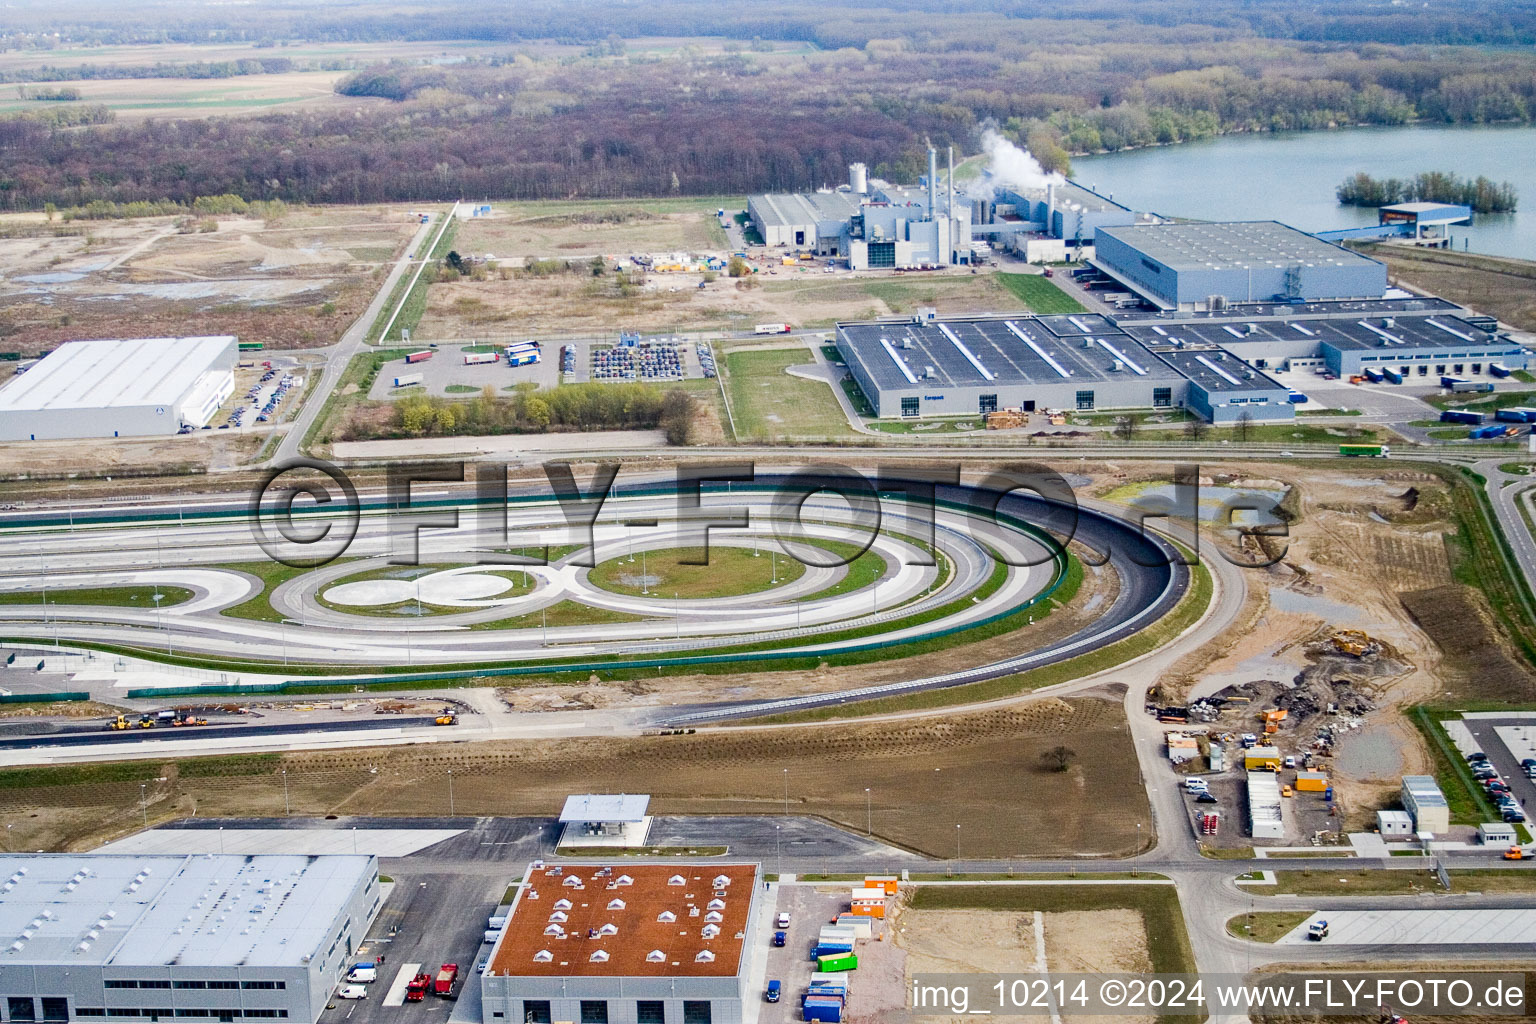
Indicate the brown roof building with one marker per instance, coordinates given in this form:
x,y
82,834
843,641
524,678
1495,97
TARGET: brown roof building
x,y
626,944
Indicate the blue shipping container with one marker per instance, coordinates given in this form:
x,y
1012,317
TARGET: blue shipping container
x,y
1461,416
830,1013
1498,369
1296,397
1392,376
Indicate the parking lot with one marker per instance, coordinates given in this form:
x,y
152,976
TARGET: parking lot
x,y
446,374
429,919
1491,735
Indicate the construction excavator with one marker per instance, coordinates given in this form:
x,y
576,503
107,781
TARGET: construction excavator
x,y
1353,642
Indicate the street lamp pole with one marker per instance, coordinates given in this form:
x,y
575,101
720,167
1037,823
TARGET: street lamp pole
x,y
957,847
286,809
778,851
786,792
450,792
869,814
143,805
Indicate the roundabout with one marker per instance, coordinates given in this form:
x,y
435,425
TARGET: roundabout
x,y
782,590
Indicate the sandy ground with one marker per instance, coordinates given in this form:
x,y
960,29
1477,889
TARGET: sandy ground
x,y
298,281
509,444
214,450
1355,549
1003,942
911,767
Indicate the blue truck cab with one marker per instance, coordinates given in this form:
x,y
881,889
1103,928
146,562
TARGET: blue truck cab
x,y
772,995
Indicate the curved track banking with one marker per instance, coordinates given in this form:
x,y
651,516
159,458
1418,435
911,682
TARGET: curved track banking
x,y
904,606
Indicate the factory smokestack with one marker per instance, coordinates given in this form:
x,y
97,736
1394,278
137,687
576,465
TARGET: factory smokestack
x,y
933,173
949,203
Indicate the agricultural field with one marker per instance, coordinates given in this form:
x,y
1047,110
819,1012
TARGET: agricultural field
x,y
920,773
1502,287
200,97
297,280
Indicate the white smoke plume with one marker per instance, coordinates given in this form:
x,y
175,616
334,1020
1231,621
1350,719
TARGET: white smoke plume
x,y
1011,165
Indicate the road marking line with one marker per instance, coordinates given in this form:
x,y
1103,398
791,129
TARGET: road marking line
x,y
396,994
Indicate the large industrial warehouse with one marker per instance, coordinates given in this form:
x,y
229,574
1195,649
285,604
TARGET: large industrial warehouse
x,y
1188,266
137,388
636,944
1213,365
978,365
122,937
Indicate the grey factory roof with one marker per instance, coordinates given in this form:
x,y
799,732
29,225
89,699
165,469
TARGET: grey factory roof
x,y
99,374
1289,310
1376,332
1232,245
1425,790
1067,193
123,910
1216,370
605,807
1000,350
781,209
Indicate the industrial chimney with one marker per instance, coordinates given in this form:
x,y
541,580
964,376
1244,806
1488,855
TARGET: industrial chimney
x,y
933,173
949,204
858,179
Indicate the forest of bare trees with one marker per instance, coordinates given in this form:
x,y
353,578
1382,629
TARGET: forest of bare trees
x,y
868,81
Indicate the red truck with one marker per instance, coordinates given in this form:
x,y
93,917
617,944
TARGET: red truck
x,y
416,990
446,976
419,357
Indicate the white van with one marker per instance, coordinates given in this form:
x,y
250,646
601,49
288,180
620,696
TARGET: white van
x,y
362,974
352,992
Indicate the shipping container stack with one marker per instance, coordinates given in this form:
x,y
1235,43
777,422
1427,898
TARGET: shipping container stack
x,y
827,998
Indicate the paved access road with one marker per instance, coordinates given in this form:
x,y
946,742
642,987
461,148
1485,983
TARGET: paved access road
x,y
354,340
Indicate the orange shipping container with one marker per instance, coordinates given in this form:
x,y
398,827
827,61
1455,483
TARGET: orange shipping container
x,y
887,882
1311,782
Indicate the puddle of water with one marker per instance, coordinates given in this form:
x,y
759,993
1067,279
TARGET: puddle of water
x,y
57,277
1332,612
1213,499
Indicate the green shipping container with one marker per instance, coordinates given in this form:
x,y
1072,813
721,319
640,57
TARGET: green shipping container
x,y
838,961
252,346
1368,450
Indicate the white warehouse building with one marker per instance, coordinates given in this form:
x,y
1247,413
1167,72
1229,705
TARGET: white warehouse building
x,y
145,387
113,937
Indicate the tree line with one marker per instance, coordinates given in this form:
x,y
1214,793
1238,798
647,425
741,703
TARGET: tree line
x,y
1481,194
696,120
570,407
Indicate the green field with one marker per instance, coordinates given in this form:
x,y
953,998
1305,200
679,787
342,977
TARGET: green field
x,y
1040,294
115,597
1266,925
729,571
770,405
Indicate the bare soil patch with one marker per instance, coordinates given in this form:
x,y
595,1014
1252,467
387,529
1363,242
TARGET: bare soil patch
x,y
922,774
294,282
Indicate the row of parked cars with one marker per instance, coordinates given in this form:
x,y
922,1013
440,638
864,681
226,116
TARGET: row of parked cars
x,y
270,408
1495,786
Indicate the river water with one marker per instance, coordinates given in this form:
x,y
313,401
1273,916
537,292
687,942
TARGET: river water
x,y
1291,177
